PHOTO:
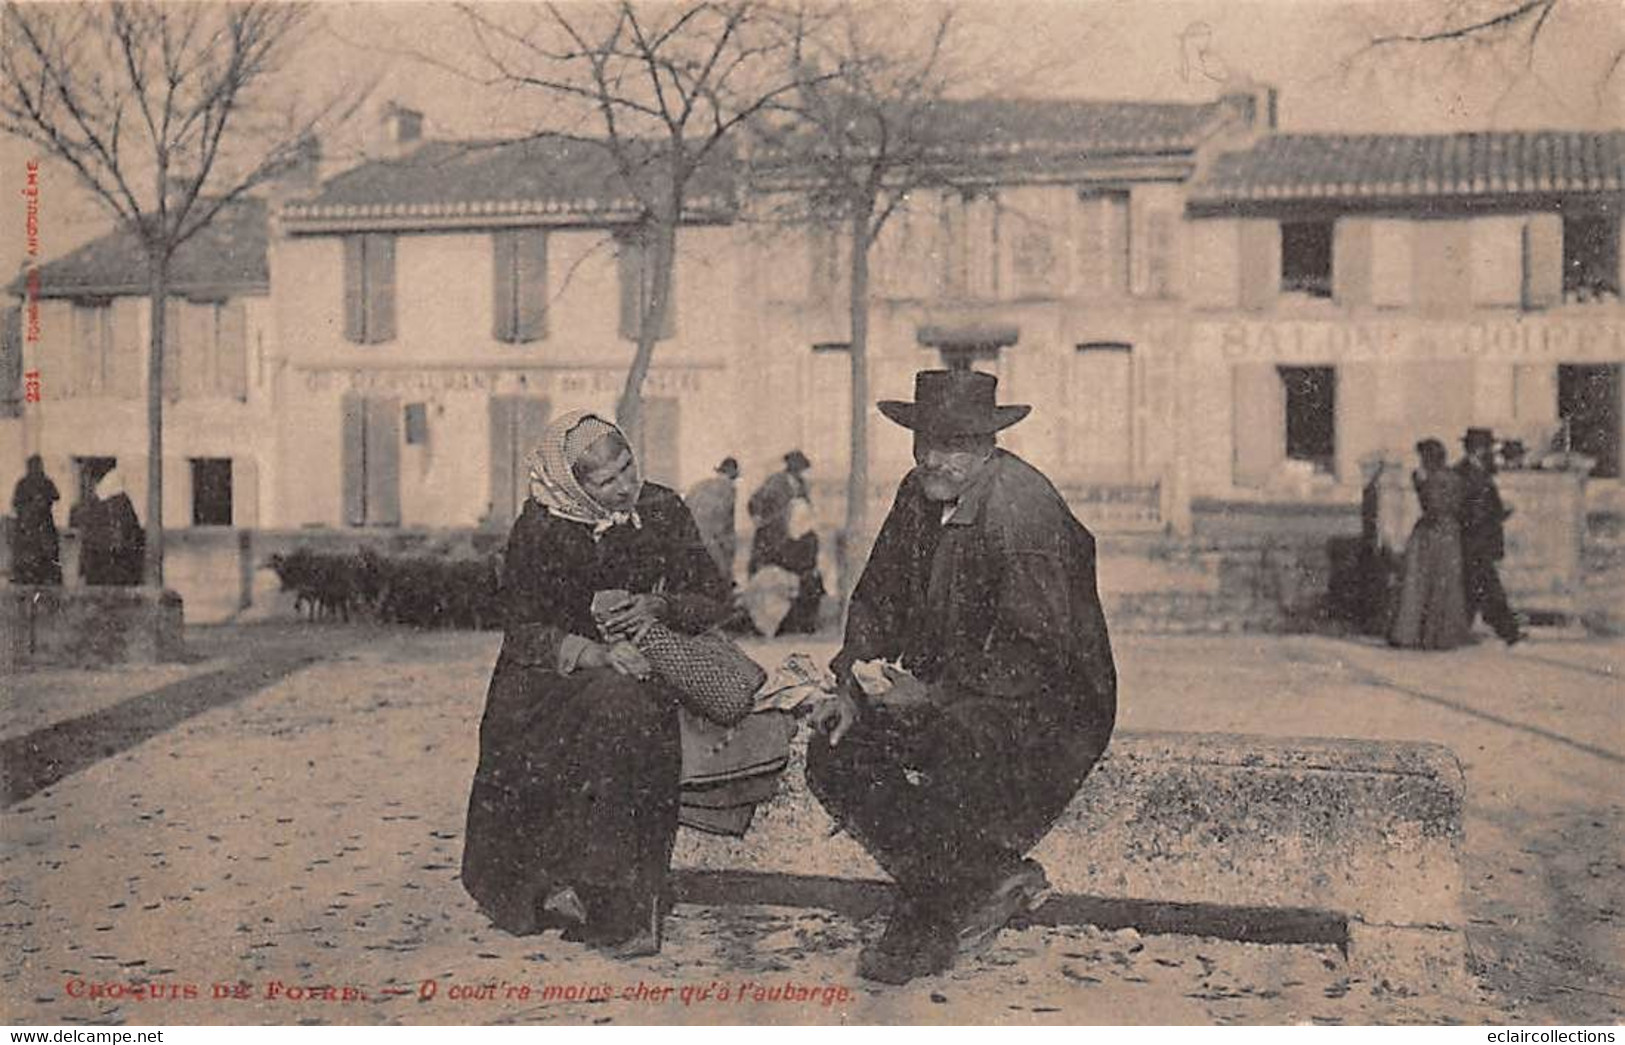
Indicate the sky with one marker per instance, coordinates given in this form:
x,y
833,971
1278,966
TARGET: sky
x,y
1312,51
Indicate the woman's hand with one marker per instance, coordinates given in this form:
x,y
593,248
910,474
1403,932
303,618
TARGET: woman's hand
x,y
625,658
634,617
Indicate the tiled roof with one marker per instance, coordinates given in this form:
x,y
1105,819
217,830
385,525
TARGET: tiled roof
x,y
994,127
228,256
1299,167
545,180
1015,124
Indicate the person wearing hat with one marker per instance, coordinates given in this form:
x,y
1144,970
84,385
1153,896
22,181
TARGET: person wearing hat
x,y
977,687
1483,539
781,510
711,501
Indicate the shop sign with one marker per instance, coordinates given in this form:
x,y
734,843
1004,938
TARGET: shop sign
x,y
401,381
1513,340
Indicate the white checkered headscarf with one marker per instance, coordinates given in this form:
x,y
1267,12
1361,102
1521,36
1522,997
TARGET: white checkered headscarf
x,y
553,482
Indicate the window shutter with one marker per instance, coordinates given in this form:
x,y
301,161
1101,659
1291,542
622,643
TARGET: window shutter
x,y
1392,246
1215,281
245,489
1351,262
1495,251
126,372
77,381
1440,263
1160,253
11,362
629,262
1260,263
354,409
505,461
1355,416
196,357
355,289
530,278
380,285
504,310
1258,402
660,434
1534,393
1543,261
384,462
232,371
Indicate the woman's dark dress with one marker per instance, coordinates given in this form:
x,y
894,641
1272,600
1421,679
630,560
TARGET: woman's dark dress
x,y
1432,609
578,776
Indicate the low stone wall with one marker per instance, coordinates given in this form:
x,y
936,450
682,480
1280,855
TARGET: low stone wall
x,y
1215,584
88,627
1367,833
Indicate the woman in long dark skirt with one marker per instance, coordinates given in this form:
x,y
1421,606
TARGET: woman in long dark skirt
x,y
574,805
1432,609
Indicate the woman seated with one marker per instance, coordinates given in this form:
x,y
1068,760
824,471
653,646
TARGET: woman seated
x,y
574,806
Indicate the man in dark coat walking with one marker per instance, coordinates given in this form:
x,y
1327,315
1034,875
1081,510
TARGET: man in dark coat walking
x,y
998,692
1483,539
773,509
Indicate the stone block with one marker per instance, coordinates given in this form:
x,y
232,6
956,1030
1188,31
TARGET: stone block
x,y
1367,833
88,627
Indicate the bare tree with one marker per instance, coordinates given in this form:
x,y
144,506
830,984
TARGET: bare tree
x,y
167,113
1519,34
859,144
661,88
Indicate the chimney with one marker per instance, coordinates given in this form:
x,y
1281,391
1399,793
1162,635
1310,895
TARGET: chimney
x,y
303,174
402,129
1254,105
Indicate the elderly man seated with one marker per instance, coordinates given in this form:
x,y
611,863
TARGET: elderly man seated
x,y
998,693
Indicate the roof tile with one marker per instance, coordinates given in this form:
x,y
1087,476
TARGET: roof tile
x,y
1305,166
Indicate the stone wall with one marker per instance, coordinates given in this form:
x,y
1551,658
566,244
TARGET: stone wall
x,y
88,627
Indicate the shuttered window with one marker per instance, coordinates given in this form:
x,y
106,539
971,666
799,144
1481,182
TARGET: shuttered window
x,y
1442,259
1258,402
1102,237
637,283
369,288
1543,261
1160,256
660,440
92,347
516,427
372,461
519,285
206,350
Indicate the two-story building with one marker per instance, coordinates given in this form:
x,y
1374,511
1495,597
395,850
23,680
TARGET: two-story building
x,y
83,331
435,309
1350,294
1045,244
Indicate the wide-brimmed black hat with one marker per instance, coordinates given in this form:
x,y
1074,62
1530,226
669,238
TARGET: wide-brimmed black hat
x,y
954,402
1478,437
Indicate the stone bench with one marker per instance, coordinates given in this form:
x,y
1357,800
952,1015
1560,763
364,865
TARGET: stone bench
x,y
1350,842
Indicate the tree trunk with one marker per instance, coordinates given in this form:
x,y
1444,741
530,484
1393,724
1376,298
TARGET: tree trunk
x,y
158,296
857,479
654,293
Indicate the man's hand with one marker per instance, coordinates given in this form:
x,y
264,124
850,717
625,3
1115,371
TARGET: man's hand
x,y
625,658
904,690
632,618
836,716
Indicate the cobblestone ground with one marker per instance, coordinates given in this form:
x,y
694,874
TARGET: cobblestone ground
x,y
305,840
